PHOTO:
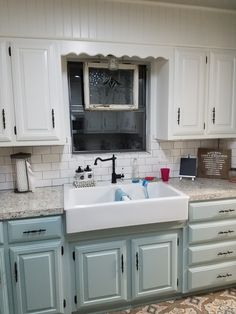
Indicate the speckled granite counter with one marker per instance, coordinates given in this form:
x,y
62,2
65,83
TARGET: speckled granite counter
x,y
43,202
205,189
49,200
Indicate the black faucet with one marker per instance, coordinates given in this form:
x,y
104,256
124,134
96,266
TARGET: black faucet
x,y
114,176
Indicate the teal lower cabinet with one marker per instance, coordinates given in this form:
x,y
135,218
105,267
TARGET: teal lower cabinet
x,y
101,273
3,286
154,265
117,272
37,278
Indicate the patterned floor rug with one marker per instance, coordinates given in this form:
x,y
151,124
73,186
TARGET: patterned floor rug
x,y
222,302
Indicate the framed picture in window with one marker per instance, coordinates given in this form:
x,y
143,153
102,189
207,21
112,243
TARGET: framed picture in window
x,y
106,89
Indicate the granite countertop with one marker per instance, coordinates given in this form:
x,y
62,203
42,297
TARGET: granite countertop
x,y
43,202
205,189
49,200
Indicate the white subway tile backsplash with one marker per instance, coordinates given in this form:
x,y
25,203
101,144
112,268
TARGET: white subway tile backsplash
x,y
41,167
53,174
55,165
6,151
36,159
41,150
51,158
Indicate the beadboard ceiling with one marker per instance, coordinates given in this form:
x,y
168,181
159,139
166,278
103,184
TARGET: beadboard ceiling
x,y
220,4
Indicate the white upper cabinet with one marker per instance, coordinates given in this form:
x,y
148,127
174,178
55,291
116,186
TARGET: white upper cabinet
x,y
6,113
189,91
35,86
222,93
200,100
31,110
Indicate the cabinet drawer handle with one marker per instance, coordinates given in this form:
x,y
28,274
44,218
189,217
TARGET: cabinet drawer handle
x,y
3,119
226,211
224,276
34,231
53,119
226,232
122,263
225,253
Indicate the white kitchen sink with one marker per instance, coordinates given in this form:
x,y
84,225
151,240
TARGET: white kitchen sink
x,y
95,208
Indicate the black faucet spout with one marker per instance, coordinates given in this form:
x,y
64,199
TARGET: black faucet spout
x,y
114,176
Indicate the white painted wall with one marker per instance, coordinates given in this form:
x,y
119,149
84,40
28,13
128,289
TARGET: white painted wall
x,y
118,21
112,21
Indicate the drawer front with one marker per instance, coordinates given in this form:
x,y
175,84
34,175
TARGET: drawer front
x,y
212,252
212,210
211,276
34,229
1,233
220,230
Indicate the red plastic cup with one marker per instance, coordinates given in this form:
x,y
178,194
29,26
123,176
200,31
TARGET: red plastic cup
x,y
165,174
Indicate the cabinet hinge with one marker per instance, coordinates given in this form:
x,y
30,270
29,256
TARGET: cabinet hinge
x,y
16,272
206,59
178,241
62,250
15,131
9,51
177,282
73,255
64,303
75,299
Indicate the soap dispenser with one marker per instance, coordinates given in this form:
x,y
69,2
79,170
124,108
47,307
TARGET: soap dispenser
x,y
88,173
135,175
79,174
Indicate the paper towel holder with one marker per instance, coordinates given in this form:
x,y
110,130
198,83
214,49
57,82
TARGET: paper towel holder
x,y
22,184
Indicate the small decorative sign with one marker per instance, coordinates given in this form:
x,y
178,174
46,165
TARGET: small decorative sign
x,y
214,163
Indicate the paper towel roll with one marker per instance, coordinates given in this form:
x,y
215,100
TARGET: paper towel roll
x,y
21,176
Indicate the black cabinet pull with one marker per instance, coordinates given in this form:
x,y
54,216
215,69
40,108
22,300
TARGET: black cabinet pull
x,y
53,119
227,211
16,272
225,253
226,232
224,276
3,119
178,116
122,263
213,115
137,261
34,231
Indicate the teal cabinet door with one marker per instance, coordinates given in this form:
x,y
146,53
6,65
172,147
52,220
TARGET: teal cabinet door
x,y
3,286
154,265
101,274
37,278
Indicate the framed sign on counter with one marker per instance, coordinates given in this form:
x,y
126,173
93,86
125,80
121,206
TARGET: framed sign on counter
x,y
214,163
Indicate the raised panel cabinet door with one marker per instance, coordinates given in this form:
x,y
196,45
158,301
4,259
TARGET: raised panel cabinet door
x,y
222,94
36,90
4,309
37,278
101,274
154,265
189,91
6,108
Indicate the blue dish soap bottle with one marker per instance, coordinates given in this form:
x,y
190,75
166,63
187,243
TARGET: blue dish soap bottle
x,y
135,175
